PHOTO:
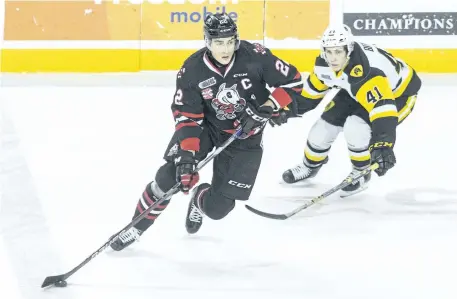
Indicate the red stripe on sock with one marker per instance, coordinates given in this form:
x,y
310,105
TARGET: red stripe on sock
x,y
148,199
148,216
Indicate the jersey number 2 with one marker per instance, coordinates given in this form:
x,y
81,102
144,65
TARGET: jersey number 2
x,y
282,67
374,95
178,97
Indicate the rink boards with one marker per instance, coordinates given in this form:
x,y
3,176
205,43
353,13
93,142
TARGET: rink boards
x,y
85,36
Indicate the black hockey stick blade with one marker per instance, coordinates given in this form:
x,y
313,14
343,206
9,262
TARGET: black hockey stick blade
x,y
52,280
267,215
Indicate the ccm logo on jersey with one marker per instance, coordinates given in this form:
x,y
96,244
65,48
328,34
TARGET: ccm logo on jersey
x,y
357,71
207,83
240,75
239,185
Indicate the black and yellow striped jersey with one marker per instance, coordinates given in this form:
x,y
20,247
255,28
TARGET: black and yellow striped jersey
x,y
372,77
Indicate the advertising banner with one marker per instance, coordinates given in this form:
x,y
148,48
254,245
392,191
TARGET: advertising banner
x,y
406,23
159,20
185,21
133,35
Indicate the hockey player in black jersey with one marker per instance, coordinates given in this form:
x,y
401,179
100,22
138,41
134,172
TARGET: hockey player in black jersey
x,y
227,84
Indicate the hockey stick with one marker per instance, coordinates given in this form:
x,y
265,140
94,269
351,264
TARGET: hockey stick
x,y
343,184
59,280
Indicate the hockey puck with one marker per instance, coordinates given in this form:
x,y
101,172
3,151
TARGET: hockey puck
x,y
61,284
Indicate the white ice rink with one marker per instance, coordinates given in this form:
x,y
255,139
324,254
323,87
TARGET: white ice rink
x,y
75,159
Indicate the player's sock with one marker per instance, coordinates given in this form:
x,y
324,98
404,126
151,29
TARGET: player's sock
x,y
151,194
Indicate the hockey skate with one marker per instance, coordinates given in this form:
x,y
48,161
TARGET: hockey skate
x,y
194,217
301,172
357,186
126,239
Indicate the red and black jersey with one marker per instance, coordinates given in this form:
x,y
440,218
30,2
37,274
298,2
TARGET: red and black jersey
x,y
206,92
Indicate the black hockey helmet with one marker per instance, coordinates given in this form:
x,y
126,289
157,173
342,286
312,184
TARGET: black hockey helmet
x,y
220,25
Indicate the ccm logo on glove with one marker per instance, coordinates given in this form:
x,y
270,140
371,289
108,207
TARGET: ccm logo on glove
x,y
381,144
255,116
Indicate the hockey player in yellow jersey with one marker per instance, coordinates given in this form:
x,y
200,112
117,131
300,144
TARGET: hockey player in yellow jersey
x,y
377,92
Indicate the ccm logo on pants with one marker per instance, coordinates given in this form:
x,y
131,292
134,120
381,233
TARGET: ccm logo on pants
x,y
239,185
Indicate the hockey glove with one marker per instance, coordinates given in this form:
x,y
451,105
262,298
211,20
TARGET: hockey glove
x,y
253,119
185,167
383,154
279,118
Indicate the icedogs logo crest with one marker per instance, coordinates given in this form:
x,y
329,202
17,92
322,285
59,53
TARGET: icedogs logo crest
x,y
227,102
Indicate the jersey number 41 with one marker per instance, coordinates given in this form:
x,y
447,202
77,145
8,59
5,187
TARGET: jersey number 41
x,y
374,95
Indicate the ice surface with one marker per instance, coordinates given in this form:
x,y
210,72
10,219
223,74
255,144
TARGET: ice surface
x,y
75,159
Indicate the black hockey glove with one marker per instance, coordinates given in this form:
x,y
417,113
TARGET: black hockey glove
x,y
383,154
185,167
279,118
253,119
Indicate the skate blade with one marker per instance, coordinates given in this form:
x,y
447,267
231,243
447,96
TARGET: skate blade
x,y
344,194
306,183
